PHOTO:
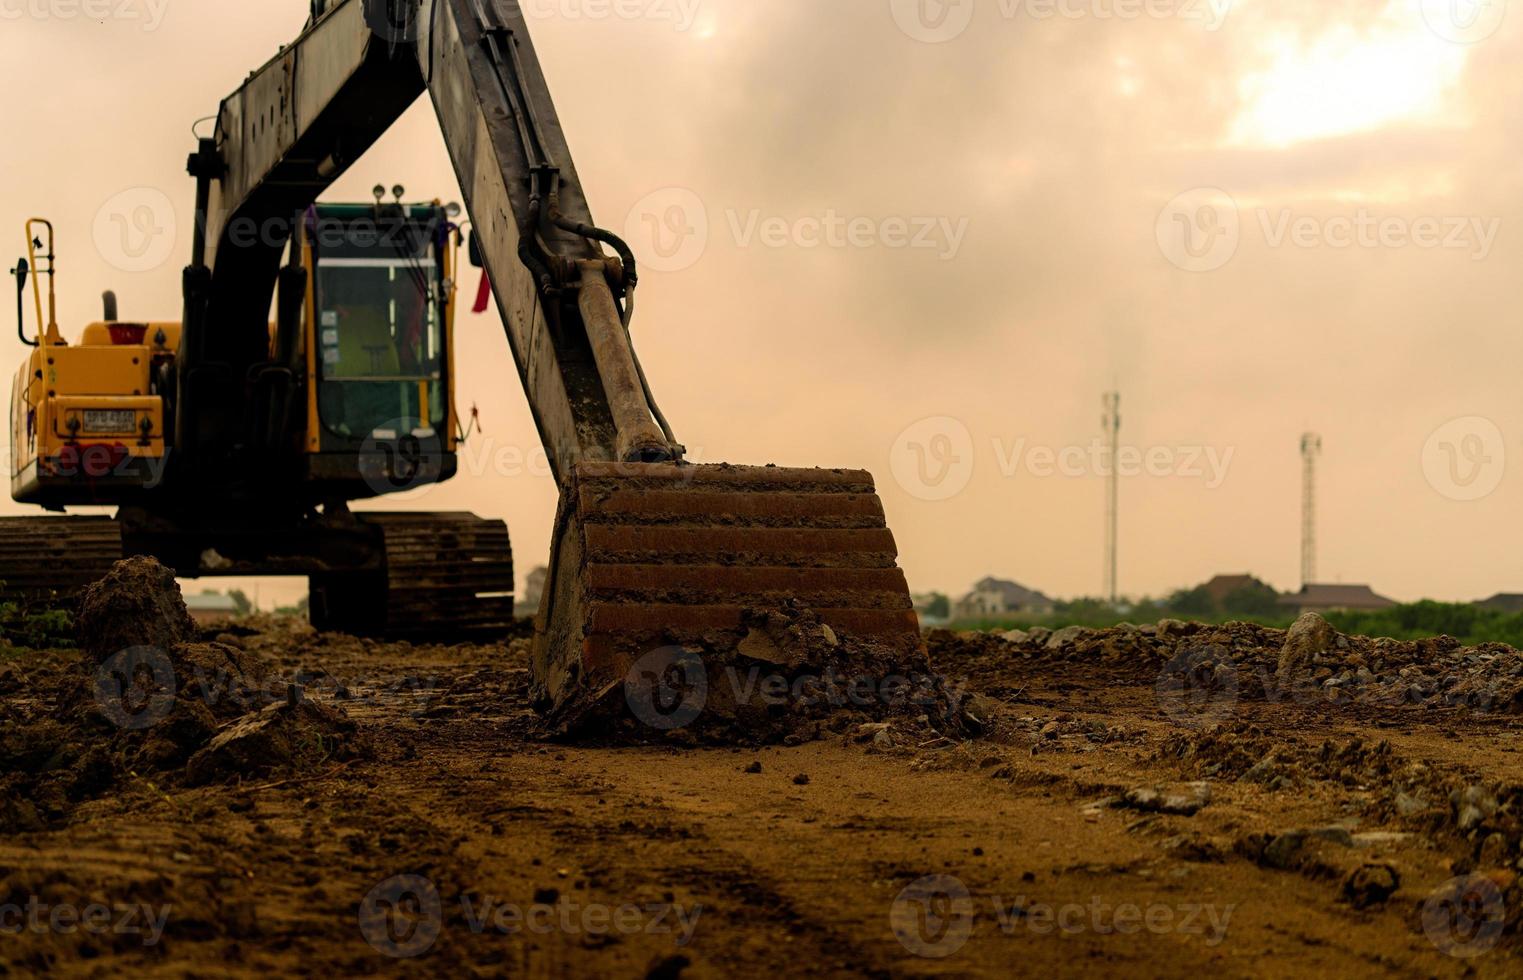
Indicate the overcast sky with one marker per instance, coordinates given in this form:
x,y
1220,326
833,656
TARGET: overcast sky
x,y
924,238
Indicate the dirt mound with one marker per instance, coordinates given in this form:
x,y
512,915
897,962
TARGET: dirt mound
x,y
143,699
294,736
137,604
783,677
1199,669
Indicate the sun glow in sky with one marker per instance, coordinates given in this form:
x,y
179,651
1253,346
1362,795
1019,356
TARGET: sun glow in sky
x,y
1348,80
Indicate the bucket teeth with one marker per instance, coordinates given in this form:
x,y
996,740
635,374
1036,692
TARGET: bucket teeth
x,y
648,556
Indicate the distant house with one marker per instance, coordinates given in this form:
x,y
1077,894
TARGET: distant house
x,y
993,597
1223,586
1507,602
1336,598
211,607
534,587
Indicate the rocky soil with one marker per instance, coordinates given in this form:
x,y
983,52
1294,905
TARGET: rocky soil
x,y
1164,800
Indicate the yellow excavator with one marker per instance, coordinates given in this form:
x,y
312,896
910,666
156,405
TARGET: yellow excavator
x,y
232,445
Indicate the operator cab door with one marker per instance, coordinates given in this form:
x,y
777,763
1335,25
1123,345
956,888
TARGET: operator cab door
x,y
378,342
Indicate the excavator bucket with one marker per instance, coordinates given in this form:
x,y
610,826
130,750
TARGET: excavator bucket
x,y
652,559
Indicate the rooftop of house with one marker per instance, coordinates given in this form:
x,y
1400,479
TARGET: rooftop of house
x,y
1013,593
1337,597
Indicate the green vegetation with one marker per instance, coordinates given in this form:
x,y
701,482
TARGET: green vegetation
x,y
1470,624
27,627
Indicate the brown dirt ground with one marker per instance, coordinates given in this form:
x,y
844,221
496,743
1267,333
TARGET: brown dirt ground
x,y
787,876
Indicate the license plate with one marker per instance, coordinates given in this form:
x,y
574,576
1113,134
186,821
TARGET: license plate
x,y
110,420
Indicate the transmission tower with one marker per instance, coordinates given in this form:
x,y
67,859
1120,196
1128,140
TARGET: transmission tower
x,y
1311,449
1112,426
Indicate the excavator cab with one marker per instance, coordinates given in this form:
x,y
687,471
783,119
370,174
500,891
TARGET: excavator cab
x,y
381,305
380,313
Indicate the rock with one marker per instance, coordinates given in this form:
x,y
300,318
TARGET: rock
x,y
1171,629
1333,835
137,604
980,710
1310,637
1408,805
281,736
1066,636
1284,850
1038,634
1015,636
1050,730
1184,801
1494,852
1370,884
1472,806
754,768
802,779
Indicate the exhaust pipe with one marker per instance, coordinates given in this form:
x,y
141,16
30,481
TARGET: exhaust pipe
x,y
108,301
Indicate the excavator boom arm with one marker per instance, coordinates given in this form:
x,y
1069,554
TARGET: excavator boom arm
x,y
297,124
